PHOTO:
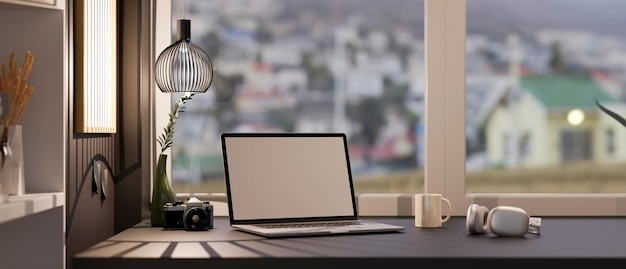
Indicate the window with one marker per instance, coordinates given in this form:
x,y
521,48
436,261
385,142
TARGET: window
x,y
354,67
610,142
576,145
549,68
524,147
445,136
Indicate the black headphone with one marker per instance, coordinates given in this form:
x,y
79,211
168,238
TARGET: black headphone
x,y
501,221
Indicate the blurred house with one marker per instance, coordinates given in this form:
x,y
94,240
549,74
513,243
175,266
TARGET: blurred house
x,y
529,127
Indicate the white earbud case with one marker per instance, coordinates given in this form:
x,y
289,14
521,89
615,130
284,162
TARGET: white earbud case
x,y
508,221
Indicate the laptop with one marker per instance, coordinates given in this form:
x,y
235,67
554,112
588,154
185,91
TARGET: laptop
x,y
292,184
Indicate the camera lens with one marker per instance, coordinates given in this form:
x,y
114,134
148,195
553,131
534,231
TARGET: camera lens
x,y
196,219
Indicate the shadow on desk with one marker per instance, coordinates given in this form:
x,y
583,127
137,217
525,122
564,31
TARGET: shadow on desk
x,y
562,240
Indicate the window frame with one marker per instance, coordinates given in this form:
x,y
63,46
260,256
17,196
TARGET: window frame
x,y
450,17
445,32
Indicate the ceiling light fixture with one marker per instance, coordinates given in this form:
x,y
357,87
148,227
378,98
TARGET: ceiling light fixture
x,y
183,66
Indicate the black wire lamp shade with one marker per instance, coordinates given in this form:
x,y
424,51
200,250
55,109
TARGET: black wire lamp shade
x,y
183,66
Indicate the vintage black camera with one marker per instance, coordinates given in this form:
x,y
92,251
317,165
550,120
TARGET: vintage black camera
x,y
194,215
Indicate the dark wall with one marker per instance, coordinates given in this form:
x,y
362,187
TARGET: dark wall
x,y
90,218
133,195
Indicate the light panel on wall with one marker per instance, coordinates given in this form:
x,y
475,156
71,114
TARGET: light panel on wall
x,y
96,66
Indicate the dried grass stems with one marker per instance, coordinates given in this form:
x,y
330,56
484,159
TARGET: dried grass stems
x,y
14,83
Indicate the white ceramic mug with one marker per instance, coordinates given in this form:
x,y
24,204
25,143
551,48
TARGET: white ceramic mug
x,y
428,210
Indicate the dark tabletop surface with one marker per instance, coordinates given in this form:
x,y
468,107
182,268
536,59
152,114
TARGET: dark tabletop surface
x,y
563,239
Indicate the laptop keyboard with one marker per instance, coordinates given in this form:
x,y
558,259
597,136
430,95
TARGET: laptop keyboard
x,y
310,225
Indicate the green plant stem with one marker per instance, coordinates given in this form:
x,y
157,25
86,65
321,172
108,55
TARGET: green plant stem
x,y
165,139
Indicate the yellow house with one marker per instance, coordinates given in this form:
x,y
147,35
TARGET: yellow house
x,y
551,120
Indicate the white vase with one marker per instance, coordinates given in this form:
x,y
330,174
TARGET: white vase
x,y
12,162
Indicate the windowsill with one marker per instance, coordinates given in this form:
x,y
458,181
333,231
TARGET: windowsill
x,y
28,204
369,204
218,200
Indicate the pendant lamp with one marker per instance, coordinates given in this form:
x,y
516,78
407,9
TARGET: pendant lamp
x,y
183,66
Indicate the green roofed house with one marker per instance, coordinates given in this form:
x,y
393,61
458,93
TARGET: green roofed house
x,y
523,127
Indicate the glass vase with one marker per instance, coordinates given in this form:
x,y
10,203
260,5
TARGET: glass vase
x,y
11,161
162,192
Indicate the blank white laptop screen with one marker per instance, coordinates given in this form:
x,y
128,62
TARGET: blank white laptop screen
x,y
290,176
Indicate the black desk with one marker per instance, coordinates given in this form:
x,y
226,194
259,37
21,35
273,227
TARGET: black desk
x,y
587,241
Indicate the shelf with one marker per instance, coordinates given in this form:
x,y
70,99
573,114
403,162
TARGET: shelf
x,y
49,4
28,204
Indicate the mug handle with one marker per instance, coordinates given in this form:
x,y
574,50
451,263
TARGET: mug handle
x,y
449,211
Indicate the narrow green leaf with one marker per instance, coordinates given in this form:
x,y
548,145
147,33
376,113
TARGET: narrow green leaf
x,y
165,139
614,115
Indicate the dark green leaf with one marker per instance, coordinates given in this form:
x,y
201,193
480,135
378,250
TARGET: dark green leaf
x,y
614,115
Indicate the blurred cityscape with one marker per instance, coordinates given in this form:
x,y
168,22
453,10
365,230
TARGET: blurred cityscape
x,y
357,66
